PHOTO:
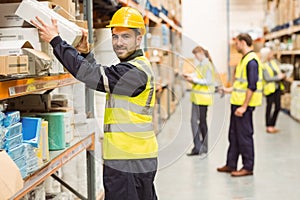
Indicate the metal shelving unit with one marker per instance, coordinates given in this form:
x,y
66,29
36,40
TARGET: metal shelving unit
x,y
60,158
18,87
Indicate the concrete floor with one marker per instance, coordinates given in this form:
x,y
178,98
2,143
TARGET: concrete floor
x,y
277,159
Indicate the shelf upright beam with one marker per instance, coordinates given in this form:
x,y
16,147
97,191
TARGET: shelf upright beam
x,y
88,15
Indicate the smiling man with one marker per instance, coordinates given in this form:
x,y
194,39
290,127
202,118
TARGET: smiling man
x,y
129,146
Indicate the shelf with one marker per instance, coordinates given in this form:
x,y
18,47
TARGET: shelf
x,y
23,86
289,52
58,159
288,31
151,16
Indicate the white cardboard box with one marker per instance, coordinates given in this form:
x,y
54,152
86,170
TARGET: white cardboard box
x,y
19,33
13,47
8,18
69,31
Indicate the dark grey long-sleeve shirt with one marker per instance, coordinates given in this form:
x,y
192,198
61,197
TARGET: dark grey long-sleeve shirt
x,y
123,78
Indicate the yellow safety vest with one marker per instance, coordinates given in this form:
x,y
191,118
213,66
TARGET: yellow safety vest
x,y
271,67
240,84
128,126
203,94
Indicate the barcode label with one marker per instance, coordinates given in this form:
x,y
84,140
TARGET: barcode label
x,y
11,91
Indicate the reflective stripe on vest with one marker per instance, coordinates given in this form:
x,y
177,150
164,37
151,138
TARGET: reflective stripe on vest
x,y
203,94
270,87
240,84
128,126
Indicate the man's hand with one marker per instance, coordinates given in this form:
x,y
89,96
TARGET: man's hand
x,y
225,90
83,46
47,32
240,111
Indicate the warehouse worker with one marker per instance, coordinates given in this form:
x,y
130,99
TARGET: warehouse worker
x,y
130,146
246,94
272,87
202,92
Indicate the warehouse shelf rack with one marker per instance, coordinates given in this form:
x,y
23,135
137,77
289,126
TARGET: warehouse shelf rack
x,y
149,15
288,31
60,158
23,86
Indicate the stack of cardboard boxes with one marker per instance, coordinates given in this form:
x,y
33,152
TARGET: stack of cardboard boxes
x,y
17,33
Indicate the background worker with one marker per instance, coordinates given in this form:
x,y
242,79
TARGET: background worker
x,y
246,94
129,146
201,97
273,87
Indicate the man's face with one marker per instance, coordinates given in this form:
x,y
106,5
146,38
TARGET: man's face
x,y
125,41
239,45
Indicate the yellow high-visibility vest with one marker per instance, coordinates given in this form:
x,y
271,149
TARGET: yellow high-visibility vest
x,y
203,94
240,84
128,126
271,67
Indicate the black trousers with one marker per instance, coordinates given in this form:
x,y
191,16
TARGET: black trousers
x,y
123,185
199,128
241,139
272,100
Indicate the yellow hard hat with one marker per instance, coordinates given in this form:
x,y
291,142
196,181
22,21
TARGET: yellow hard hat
x,y
128,17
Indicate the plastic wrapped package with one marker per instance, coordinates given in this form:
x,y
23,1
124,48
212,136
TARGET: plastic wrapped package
x,y
2,116
13,142
38,193
52,186
13,130
56,130
82,173
11,118
16,152
21,162
2,137
32,164
63,196
23,171
69,174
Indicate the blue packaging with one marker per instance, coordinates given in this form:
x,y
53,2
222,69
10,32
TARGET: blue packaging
x,y
16,152
31,130
13,130
23,171
13,142
29,151
2,137
21,162
11,118
2,116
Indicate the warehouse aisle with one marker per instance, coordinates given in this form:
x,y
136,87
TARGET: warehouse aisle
x,y
277,159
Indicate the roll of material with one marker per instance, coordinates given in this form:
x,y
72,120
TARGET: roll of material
x,y
56,130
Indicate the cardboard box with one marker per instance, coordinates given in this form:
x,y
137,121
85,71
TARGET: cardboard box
x,y
19,33
13,47
67,5
10,177
30,103
13,65
8,18
39,62
69,31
